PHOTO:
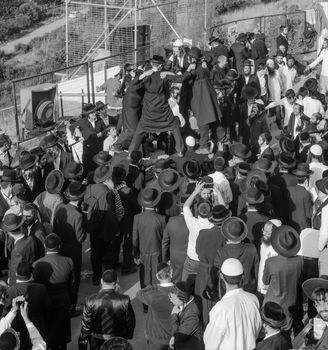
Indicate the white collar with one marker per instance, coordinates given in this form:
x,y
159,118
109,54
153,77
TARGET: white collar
x,y
166,284
19,238
272,334
51,253
23,281
232,292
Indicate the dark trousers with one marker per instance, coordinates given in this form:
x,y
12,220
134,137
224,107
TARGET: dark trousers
x,y
153,345
141,133
189,272
204,133
310,270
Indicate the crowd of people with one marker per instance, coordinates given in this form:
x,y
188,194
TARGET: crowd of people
x,y
223,213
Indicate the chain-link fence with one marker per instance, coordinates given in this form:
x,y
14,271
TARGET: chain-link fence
x,y
269,25
99,28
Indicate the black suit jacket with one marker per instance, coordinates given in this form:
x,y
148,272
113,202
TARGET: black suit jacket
x,y
107,312
282,40
239,52
3,206
220,50
253,80
276,342
259,50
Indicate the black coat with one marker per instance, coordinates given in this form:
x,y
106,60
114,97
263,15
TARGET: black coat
x,y
275,342
56,273
174,245
282,40
220,50
109,313
259,51
39,308
3,206
187,328
241,82
240,53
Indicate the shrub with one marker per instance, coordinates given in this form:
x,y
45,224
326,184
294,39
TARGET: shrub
x,y
23,21
22,48
229,5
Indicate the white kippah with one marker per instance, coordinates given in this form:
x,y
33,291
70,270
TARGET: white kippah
x,y
178,43
190,141
299,102
316,150
232,267
276,222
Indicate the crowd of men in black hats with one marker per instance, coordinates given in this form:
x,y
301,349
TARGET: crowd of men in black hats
x,y
223,214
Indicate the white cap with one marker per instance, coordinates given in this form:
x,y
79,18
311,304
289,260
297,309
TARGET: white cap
x,y
115,70
190,141
178,43
316,150
276,222
232,267
259,102
299,102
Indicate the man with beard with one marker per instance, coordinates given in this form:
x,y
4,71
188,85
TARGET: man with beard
x,y
289,74
317,290
266,250
274,86
246,78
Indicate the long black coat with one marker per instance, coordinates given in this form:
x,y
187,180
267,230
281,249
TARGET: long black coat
x,y
207,244
174,245
157,115
56,272
259,51
239,52
204,103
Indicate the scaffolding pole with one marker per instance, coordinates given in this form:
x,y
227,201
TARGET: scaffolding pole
x,y
66,35
205,24
105,22
135,32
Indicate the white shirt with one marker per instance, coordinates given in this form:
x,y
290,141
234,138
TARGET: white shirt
x,y
109,142
262,81
274,85
224,186
323,234
235,322
323,57
297,119
312,105
287,107
318,169
309,243
266,252
288,76
194,226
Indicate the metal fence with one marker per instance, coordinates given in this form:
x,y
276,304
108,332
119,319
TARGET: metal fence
x,y
269,25
73,89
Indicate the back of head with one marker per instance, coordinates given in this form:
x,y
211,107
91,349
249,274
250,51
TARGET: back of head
x,y
52,242
9,340
24,270
109,276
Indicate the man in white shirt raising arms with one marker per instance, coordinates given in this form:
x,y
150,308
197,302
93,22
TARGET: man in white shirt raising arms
x,y
235,320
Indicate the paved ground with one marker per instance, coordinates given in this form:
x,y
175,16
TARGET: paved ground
x,y
129,285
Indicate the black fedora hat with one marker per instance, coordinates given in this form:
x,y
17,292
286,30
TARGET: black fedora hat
x,y
253,196
157,59
219,214
49,141
212,39
243,168
12,222
249,91
285,241
302,169
8,175
240,150
169,179
195,52
232,75
192,169
116,343
102,157
120,171
241,37
27,160
73,170
286,160
287,145
222,84
54,182
102,173
75,191
322,185
247,63
135,156
254,177
149,197
234,229
89,108
265,165
313,284
273,314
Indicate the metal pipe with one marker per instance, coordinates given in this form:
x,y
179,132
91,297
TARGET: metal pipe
x,y
88,81
66,34
92,82
61,104
166,20
135,32
105,22
16,111
99,5
205,24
